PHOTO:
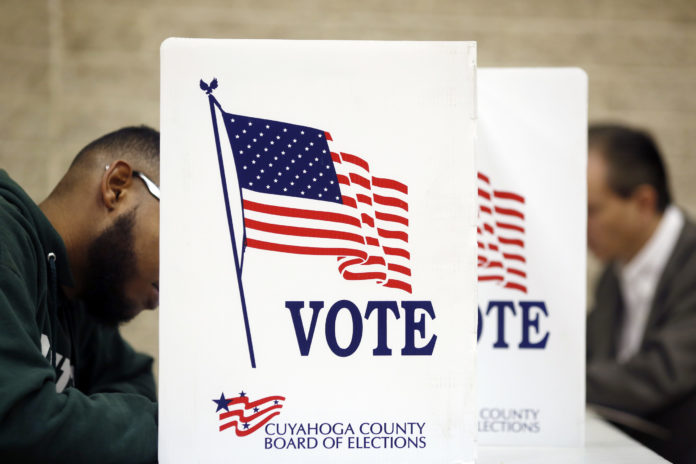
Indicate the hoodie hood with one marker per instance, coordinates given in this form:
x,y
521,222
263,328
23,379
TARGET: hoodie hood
x,y
47,235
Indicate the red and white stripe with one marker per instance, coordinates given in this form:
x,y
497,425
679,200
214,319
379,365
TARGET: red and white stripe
x,y
368,233
501,237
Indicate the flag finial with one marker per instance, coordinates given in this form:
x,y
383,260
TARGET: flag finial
x,y
208,88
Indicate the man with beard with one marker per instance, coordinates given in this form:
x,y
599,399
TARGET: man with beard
x,y
71,269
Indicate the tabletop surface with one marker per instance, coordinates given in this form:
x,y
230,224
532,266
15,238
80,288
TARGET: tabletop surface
x,y
604,444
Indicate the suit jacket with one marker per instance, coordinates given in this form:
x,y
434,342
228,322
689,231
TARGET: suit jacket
x,y
659,382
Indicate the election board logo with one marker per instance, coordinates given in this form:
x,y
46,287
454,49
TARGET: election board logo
x,y
245,416
501,237
299,194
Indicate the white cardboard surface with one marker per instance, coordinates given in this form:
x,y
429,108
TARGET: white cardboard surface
x,y
406,108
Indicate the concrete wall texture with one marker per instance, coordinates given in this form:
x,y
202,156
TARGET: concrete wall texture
x,y
71,70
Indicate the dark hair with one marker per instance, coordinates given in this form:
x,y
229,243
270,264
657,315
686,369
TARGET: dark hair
x,y
633,160
141,142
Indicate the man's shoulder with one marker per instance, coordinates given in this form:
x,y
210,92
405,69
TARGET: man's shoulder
x,y
688,232
683,255
676,286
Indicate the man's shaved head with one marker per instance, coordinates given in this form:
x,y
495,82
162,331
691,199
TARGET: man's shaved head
x,y
130,143
137,145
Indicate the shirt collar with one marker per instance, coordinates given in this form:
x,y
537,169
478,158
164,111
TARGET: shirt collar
x,y
652,257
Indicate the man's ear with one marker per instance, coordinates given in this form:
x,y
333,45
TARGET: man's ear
x,y
645,197
116,180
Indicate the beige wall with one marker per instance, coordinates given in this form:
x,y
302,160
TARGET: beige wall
x,y
71,70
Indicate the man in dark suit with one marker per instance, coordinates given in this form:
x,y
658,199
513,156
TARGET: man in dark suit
x,y
641,334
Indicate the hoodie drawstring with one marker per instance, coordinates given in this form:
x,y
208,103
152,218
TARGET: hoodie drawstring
x,y
53,309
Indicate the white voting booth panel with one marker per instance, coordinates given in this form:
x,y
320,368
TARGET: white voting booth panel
x,y
532,154
317,252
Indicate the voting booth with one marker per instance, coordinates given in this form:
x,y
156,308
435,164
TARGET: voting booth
x,y
319,209
532,163
370,252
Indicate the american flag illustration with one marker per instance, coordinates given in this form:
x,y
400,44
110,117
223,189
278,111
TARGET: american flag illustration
x,y
246,416
302,195
299,194
501,237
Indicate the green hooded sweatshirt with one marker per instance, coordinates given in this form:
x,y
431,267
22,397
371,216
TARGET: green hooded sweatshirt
x,y
71,390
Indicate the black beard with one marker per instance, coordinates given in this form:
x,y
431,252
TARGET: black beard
x,y
110,261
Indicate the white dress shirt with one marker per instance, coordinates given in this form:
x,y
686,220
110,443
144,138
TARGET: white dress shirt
x,y
639,279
